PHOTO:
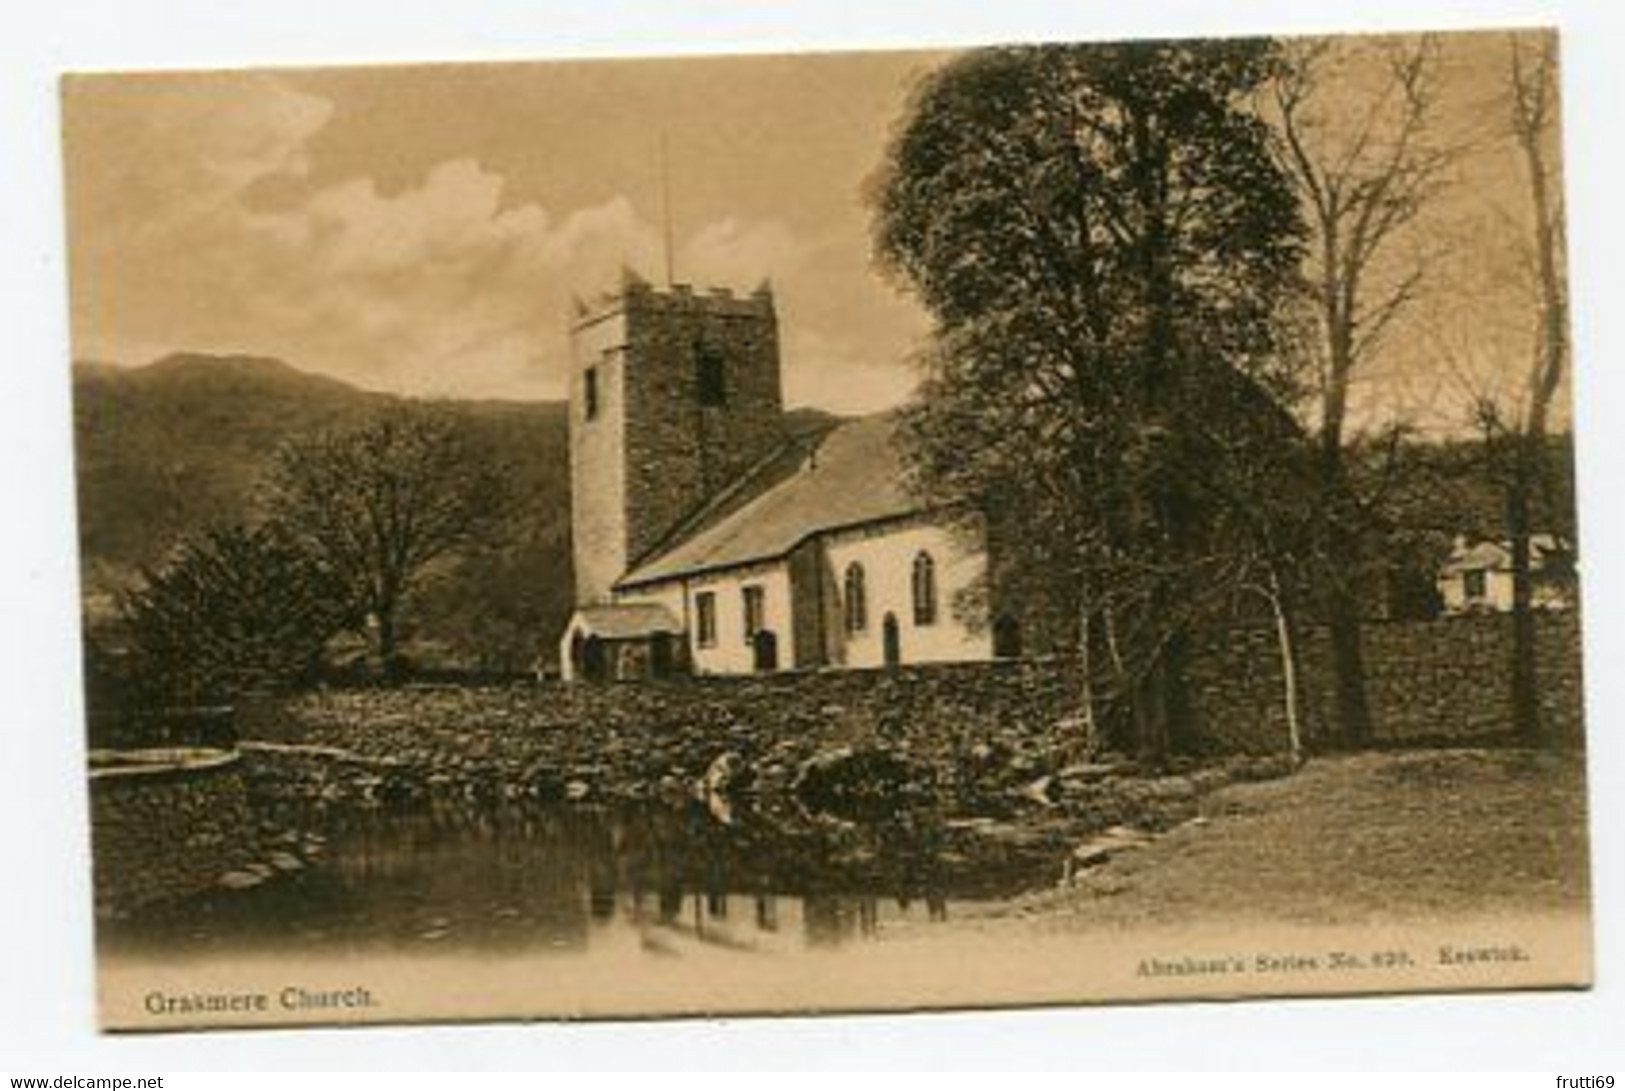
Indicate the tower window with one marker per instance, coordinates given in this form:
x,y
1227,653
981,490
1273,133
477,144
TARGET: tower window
x,y
589,393
857,599
710,376
925,589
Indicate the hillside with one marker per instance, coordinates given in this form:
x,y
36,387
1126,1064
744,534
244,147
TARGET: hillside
x,y
167,448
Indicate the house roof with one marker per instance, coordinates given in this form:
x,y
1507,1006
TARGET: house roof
x,y
626,621
1497,556
849,476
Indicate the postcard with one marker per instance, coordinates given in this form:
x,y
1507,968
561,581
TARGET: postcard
x,y
1032,524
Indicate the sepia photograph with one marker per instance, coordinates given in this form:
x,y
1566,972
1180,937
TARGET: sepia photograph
x,y
1045,523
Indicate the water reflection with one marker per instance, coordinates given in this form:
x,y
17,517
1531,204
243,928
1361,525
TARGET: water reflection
x,y
508,879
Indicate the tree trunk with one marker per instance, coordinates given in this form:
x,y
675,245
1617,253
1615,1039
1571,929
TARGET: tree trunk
x,y
1289,667
1151,716
1176,703
1348,664
1534,95
1086,686
1341,557
1525,690
387,643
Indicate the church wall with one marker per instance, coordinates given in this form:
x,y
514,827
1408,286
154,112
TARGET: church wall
x,y
887,553
730,653
680,451
804,607
810,598
598,510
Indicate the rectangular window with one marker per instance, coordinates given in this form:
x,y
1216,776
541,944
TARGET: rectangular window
x,y
1473,583
710,377
589,393
755,611
705,618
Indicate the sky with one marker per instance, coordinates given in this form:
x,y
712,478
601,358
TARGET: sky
x,y
423,229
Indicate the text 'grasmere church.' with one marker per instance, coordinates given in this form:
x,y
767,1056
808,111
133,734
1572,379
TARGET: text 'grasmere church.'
x,y
713,536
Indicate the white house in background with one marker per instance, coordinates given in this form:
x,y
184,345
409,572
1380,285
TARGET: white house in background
x,y
1477,576
710,536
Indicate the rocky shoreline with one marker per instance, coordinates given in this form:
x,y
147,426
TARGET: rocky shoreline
x,y
987,797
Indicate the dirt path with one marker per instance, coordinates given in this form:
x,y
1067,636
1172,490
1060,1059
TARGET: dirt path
x,y
1348,840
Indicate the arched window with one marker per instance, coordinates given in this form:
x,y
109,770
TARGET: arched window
x,y
856,599
925,589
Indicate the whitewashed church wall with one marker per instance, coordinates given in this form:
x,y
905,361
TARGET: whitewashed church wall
x,y
887,555
598,495
730,652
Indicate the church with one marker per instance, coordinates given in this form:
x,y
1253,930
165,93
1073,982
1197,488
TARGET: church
x,y
713,533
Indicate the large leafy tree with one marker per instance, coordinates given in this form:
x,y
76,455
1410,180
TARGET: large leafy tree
x,y
1103,238
383,503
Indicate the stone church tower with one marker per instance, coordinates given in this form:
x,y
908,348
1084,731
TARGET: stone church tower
x,y
674,395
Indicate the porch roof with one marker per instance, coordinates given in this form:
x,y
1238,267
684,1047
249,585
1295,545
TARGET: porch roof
x,y
625,621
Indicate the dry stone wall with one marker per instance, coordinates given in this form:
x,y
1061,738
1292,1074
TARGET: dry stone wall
x,y
971,730
167,827
1442,680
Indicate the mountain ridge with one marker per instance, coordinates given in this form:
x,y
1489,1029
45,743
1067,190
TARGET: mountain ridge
x,y
167,448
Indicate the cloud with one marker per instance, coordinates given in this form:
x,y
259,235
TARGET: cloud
x,y
149,155
444,287
439,289
741,254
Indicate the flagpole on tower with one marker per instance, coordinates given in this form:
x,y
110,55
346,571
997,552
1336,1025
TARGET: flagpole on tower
x,y
665,209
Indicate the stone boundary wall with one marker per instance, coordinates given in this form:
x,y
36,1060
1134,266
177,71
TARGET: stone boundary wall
x,y
975,728
166,824
1441,680
651,738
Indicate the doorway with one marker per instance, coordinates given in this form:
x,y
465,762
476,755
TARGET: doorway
x,y
891,639
765,650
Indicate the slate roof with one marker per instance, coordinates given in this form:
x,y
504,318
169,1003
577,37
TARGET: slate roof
x,y
628,621
849,476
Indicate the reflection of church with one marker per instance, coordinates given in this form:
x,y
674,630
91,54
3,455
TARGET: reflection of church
x,y
712,537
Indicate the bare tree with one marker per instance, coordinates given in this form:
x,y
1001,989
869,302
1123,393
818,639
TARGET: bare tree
x,y
1356,125
381,503
1533,84
1523,273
